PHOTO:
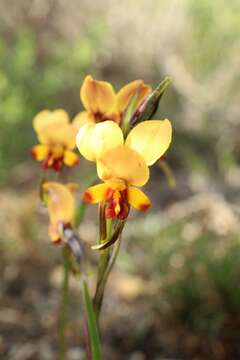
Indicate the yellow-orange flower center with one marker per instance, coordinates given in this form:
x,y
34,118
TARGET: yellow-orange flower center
x,y
116,204
118,198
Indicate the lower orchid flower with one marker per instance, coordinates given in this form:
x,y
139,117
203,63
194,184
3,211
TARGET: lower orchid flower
x,y
60,203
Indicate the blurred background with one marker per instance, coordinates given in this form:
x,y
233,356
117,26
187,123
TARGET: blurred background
x,y
175,290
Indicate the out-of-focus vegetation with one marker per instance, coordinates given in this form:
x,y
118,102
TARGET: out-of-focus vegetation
x,y
33,78
180,264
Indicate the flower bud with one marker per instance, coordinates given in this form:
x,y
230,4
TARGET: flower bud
x,y
150,105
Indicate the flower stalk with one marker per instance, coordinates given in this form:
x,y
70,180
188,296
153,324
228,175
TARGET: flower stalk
x,y
64,304
105,231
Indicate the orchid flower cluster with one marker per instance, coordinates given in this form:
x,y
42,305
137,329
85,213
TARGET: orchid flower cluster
x,y
117,132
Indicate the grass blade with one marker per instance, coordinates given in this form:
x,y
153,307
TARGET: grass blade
x,y
92,324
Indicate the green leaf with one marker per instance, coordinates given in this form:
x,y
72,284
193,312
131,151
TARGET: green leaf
x,y
117,232
80,212
92,324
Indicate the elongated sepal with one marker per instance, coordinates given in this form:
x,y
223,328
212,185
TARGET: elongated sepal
x,y
102,222
129,112
150,105
117,232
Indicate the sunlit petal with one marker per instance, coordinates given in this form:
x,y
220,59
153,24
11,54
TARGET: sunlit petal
x,y
63,134
138,199
46,117
60,202
82,118
106,135
40,152
70,158
125,164
125,94
96,193
84,141
116,184
97,96
150,139
54,233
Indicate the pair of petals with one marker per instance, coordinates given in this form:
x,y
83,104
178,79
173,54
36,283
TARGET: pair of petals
x,y
41,152
135,197
100,97
128,161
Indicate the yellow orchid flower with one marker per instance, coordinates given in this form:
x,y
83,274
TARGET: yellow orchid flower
x,y
102,103
56,135
123,166
60,203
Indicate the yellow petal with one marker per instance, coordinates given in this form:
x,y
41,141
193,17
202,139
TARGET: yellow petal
x,y
116,184
40,152
60,202
96,193
106,135
72,186
62,134
97,96
150,139
46,117
138,199
54,233
126,93
125,164
95,139
70,158
82,118
84,141
57,151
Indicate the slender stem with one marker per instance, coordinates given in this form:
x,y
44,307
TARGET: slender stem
x,y
98,298
168,173
102,266
86,338
64,304
112,260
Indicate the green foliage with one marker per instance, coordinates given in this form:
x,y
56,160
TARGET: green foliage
x,y
215,26
32,79
92,324
197,275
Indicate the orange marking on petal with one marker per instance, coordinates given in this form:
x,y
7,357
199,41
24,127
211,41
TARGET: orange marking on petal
x,y
87,197
109,194
40,152
144,207
95,194
57,242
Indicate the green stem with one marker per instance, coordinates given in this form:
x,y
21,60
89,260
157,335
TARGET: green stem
x,y
64,304
102,266
98,298
168,173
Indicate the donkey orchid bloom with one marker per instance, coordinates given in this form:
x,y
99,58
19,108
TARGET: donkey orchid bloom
x,y
56,135
60,203
124,166
102,103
